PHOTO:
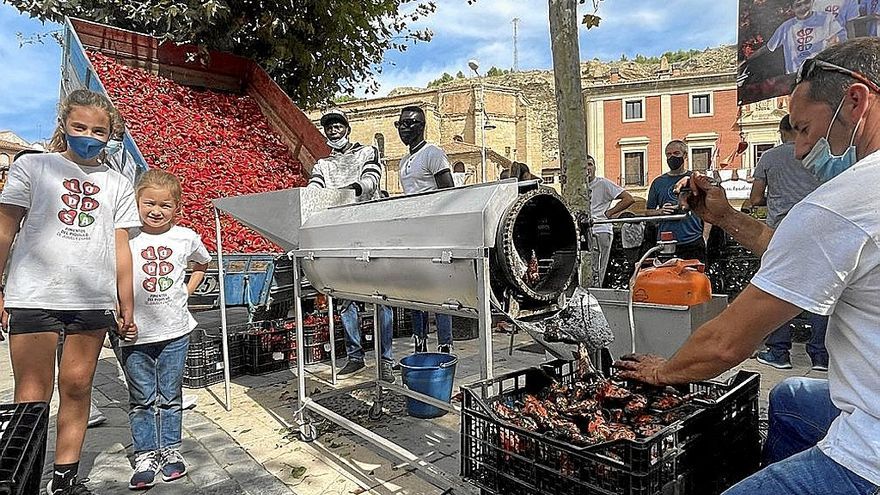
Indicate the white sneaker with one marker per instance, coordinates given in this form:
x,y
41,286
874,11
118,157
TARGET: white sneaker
x,y
189,401
96,417
146,465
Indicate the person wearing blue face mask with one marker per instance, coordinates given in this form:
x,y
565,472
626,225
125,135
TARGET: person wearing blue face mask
x,y
70,274
824,257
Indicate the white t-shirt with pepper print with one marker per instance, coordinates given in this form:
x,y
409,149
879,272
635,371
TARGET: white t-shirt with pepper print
x,y
159,262
64,256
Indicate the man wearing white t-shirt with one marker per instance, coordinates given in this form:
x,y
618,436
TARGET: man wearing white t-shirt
x,y
824,257
807,33
602,193
424,168
842,10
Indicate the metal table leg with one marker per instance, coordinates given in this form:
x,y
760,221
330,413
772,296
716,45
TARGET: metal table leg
x,y
484,318
307,430
331,315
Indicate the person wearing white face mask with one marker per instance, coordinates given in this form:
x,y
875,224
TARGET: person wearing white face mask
x,y
357,167
824,257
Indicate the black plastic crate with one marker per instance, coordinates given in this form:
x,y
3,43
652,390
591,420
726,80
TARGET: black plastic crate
x,y
268,347
402,322
24,429
204,358
320,352
704,453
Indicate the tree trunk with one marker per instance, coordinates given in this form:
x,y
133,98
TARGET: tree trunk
x,y
570,115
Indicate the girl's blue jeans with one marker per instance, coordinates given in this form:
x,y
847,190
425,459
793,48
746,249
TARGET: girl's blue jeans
x,y
154,373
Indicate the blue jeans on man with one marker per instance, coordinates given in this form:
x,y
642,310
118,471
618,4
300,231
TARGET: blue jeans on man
x,y
800,414
154,373
779,345
353,345
420,329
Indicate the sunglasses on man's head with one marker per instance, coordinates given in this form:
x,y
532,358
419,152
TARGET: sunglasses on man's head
x,y
811,65
407,123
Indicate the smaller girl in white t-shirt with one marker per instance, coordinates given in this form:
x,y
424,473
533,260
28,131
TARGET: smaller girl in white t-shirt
x,y
154,362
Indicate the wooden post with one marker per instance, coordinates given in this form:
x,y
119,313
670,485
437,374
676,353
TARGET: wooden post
x,y
570,116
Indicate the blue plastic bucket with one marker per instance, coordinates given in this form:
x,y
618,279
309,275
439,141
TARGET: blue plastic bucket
x,y
429,373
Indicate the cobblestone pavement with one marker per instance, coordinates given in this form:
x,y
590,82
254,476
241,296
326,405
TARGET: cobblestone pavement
x,y
254,449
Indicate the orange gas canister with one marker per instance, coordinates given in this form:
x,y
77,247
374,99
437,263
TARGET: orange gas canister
x,y
678,282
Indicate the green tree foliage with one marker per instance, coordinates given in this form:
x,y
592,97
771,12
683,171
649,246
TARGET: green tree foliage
x,y
314,49
495,71
459,75
445,78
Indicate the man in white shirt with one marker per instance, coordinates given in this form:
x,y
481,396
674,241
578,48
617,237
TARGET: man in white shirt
x,y
807,33
602,193
842,10
424,168
824,257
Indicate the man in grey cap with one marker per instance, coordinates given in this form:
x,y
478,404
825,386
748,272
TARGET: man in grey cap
x,y
358,167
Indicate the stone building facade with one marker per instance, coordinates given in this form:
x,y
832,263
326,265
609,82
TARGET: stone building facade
x,y
630,122
10,144
454,121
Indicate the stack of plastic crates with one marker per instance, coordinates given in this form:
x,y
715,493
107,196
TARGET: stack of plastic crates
x,y
316,340
269,346
22,447
204,359
402,322
702,454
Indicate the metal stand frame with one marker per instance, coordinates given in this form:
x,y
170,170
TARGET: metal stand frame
x,y
306,404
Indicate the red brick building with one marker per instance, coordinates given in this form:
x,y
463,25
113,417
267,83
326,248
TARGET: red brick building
x,y
630,122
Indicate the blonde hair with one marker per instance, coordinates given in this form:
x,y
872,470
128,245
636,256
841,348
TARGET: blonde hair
x,y
83,98
159,179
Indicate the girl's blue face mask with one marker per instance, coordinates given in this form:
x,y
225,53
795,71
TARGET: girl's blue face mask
x,y
822,163
85,147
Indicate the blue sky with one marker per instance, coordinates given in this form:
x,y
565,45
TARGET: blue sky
x,y
29,82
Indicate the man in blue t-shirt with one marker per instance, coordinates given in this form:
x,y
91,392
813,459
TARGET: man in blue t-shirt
x,y
663,200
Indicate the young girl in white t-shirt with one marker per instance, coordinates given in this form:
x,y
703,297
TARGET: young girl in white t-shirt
x,y
68,214
154,362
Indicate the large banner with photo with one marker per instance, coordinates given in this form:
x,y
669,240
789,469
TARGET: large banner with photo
x,y
776,36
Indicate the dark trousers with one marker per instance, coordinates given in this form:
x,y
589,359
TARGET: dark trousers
x,y
694,250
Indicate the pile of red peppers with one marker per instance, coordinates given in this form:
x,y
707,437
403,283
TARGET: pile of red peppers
x,y
217,144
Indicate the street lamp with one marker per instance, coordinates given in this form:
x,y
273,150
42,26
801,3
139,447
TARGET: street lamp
x,y
485,124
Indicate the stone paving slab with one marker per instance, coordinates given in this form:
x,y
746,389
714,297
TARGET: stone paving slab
x,y
217,463
254,448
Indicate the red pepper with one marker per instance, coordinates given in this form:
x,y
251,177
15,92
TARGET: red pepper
x,y
218,144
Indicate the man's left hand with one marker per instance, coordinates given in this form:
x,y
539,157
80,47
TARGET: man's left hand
x,y
641,367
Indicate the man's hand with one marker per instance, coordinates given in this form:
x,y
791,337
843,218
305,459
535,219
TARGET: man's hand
x,y
641,367
708,200
668,209
127,329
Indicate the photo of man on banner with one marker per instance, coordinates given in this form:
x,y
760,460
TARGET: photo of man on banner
x,y
777,36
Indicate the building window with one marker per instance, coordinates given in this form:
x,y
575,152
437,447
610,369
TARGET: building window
x,y
701,104
380,143
634,110
634,168
759,150
701,158
549,179
507,151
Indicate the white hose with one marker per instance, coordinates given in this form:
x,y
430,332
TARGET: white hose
x,y
632,286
